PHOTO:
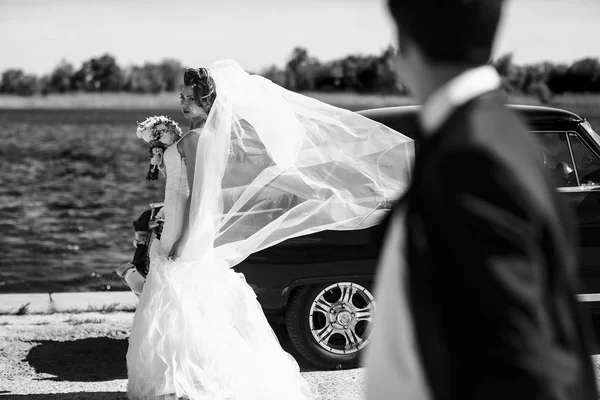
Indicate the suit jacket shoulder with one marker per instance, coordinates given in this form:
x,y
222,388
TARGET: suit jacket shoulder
x,y
488,145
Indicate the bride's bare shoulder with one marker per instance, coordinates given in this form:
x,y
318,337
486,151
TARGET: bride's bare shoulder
x,y
188,142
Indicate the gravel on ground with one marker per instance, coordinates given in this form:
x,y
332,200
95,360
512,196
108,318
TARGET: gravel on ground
x,y
82,356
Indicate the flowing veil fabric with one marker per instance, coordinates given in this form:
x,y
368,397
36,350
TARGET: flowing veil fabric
x,y
271,165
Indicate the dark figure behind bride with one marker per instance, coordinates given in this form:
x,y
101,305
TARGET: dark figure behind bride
x,y
477,279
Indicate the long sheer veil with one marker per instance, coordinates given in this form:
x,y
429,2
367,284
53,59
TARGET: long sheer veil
x,y
273,164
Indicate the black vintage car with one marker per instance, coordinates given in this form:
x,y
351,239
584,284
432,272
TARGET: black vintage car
x,y
320,285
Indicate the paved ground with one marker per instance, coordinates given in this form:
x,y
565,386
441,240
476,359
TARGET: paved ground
x,y
80,353
82,356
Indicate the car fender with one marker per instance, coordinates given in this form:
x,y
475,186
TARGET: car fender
x,y
359,278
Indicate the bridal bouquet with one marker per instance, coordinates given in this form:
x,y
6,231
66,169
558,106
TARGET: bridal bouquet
x,y
159,132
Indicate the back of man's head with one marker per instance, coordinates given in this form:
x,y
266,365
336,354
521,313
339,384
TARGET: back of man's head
x,y
449,31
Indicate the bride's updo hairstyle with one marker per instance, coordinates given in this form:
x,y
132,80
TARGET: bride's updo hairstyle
x,y
203,86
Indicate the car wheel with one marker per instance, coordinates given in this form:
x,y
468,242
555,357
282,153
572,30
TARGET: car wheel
x,y
330,325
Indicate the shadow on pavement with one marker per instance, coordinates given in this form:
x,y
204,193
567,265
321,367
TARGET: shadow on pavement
x,y
103,359
83,360
70,396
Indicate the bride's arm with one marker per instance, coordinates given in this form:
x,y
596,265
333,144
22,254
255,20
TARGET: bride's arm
x,y
187,147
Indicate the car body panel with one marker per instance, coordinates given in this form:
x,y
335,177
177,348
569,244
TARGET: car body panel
x,y
318,258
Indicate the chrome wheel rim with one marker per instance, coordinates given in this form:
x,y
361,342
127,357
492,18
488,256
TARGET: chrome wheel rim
x,y
341,318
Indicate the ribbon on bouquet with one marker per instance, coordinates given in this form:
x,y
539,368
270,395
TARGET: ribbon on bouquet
x,y
156,164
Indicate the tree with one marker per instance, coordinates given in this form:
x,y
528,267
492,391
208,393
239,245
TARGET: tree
x,y
558,79
584,75
541,91
10,78
275,75
172,72
44,85
60,79
15,81
329,77
99,74
154,78
504,65
147,79
350,70
509,73
387,76
301,70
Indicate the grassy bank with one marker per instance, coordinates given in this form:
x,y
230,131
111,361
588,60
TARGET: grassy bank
x,y
170,100
92,101
103,309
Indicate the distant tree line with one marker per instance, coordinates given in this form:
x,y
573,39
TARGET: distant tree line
x,y
98,74
302,72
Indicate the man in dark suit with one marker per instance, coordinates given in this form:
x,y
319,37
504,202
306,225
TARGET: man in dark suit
x,y
477,279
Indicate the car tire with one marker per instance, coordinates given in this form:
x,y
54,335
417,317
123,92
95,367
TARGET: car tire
x,y
328,329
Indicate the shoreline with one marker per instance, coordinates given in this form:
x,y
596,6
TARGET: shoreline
x,y
170,100
17,304
22,304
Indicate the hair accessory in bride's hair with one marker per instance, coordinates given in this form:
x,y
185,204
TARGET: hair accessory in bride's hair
x,y
159,132
202,83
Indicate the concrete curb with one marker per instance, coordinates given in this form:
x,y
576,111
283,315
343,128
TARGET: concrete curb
x,y
68,302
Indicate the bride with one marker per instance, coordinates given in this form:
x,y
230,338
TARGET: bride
x,y
259,165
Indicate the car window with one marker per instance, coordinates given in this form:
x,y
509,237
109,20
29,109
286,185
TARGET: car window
x,y
556,158
586,162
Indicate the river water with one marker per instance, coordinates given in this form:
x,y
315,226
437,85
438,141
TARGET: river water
x,y
71,184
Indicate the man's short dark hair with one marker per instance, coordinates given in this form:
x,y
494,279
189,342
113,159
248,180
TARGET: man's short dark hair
x,y
456,31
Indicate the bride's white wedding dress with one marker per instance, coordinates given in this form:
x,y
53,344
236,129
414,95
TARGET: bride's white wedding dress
x,y
198,331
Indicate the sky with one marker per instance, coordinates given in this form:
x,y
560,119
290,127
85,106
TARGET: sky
x,y
35,35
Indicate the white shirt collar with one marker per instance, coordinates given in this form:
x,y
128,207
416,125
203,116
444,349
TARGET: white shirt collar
x,y
456,92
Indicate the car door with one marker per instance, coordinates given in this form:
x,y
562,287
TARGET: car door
x,y
574,167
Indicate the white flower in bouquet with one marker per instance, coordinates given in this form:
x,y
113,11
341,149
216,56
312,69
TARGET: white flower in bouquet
x,y
167,138
144,134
